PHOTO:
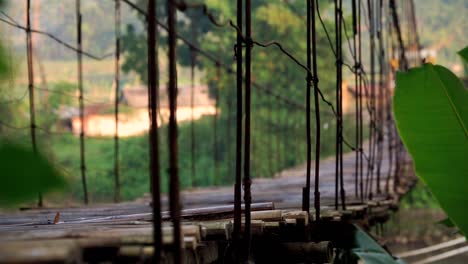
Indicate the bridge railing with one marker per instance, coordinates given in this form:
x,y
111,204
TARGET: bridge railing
x,y
372,73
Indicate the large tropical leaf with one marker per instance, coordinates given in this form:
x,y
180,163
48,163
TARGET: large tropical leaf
x,y
24,174
431,112
464,54
369,251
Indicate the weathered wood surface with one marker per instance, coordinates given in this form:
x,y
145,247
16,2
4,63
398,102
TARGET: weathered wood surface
x,y
31,236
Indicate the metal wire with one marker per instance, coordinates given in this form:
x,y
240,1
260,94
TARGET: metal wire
x,y
174,192
32,112
52,36
153,97
247,181
116,101
80,101
315,81
306,189
239,106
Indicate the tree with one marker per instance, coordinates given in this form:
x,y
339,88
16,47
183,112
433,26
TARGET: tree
x,y
276,124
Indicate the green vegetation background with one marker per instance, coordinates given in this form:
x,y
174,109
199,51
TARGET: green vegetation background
x,y
278,139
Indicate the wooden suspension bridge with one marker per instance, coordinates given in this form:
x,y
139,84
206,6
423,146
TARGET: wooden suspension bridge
x,y
122,232
305,215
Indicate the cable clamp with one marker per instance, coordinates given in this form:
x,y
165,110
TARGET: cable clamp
x,y
235,51
245,182
170,171
248,42
339,61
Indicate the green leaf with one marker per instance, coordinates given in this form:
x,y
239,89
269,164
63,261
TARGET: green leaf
x,y
4,67
464,54
24,174
431,112
368,250
446,222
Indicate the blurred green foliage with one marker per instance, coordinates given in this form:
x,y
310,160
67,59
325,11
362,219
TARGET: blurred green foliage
x,y
134,166
419,197
25,174
278,126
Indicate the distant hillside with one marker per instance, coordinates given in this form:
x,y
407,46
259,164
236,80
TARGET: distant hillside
x,y
443,26
59,18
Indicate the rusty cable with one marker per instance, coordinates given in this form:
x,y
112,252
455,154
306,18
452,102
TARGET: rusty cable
x,y
13,23
214,59
174,192
380,102
315,81
370,165
153,96
396,25
340,105
306,189
217,179
32,112
247,181
356,101
192,117
80,100
116,108
239,103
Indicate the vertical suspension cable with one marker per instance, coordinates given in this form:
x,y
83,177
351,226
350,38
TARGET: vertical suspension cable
x,y
339,188
280,130
32,111
215,127
193,59
403,65
192,114
370,168
360,98
116,108
396,25
239,80
380,103
306,189
278,139
81,102
356,101
174,202
337,102
395,143
229,139
340,105
271,135
153,95
389,128
415,32
247,179
317,114
410,35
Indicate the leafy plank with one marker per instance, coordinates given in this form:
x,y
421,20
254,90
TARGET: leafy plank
x,y
431,112
24,174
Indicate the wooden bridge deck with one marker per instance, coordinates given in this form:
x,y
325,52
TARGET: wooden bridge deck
x,y
124,229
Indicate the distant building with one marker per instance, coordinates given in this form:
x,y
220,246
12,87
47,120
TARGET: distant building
x,y
99,120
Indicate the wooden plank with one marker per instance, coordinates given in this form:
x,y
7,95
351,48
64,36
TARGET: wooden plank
x,y
304,216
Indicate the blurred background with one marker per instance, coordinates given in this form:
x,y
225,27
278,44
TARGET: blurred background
x,y
278,124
